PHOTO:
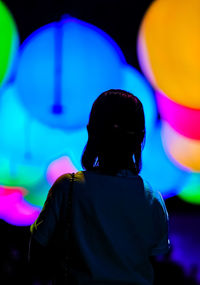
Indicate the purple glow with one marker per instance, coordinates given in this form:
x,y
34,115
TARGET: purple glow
x,y
180,118
59,167
185,240
14,210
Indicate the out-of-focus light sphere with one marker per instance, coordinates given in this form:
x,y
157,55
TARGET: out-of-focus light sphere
x,y
63,67
9,42
191,189
34,142
14,209
162,174
168,49
59,167
182,119
183,151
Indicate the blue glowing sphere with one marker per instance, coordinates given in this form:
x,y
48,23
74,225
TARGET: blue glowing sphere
x,y
25,139
158,170
63,67
135,82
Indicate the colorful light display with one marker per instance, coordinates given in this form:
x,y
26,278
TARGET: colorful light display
x,y
168,44
162,174
19,173
182,119
59,167
43,116
66,65
168,49
183,151
27,140
191,189
13,208
9,42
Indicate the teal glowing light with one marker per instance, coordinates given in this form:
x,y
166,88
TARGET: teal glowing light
x,y
158,170
28,147
19,173
63,67
27,140
8,42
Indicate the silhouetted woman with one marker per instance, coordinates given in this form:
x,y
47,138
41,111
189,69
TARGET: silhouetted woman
x,y
117,221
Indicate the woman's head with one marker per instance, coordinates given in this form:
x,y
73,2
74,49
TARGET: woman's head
x,y
116,132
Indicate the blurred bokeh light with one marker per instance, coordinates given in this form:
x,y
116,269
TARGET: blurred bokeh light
x,y
9,42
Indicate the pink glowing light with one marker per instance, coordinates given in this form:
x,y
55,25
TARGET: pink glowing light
x,y
59,167
13,209
182,119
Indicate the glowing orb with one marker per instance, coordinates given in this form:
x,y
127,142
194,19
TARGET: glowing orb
x,y
59,167
168,49
191,190
157,169
38,192
19,173
182,119
13,208
134,82
8,42
63,67
183,151
27,140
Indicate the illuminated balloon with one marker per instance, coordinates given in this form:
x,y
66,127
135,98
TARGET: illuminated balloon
x,y
183,151
26,139
38,192
13,208
157,169
9,42
59,167
168,49
63,67
191,190
19,173
134,82
182,119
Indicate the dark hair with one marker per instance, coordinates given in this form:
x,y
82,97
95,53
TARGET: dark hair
x,y
116,132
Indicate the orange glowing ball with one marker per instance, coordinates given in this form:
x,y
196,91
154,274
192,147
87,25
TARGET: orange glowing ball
x,y
168,49
185,152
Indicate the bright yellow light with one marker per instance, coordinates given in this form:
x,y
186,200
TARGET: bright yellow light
x,y
168,49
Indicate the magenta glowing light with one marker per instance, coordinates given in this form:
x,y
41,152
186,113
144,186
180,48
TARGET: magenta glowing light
x,y
59,167
182,119
13,208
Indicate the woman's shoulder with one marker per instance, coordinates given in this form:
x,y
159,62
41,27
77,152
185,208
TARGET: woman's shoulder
x,y
152,194
66,178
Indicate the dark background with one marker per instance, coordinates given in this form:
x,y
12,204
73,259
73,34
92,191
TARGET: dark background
x,y
121,20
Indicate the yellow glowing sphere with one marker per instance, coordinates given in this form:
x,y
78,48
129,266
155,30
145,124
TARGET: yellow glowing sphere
x,y
169,49
184,151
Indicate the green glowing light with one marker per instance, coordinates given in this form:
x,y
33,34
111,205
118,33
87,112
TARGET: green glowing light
x,y
16,173
191,191
8,42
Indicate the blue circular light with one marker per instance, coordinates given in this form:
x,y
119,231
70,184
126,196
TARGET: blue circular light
x,y
63,67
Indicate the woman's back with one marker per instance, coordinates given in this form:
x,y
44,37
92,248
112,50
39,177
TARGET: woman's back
x,y
117,223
